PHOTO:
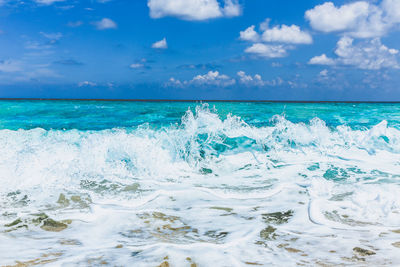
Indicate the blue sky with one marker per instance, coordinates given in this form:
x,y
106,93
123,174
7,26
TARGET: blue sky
x,y
200,49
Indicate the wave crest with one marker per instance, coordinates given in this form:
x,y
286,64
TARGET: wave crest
x,y
203,142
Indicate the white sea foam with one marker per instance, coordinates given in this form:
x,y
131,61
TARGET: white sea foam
x,y
216,190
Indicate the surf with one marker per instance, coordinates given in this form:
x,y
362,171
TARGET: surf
x,y
246,191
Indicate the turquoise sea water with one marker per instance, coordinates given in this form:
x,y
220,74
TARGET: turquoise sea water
x,y
218,184
100,115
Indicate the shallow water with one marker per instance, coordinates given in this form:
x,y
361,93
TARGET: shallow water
x,y
230,184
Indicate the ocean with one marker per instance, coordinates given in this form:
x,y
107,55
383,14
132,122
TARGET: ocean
x,y
89,183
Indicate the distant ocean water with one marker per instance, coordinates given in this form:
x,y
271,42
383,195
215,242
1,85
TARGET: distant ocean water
x,y
192,184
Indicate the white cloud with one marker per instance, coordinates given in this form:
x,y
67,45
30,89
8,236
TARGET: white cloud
x,y
276,64
52,36
266,50
86,83
256,80
360,19
321,60
287,34
38,71
250,80
136,66
249,34
323,73
328,18
372,55
66,7
47,2
193,9
21,70
37,46
162,44
174,82
392,9
213,78
10,66
232,8
265,24
283,38
105,24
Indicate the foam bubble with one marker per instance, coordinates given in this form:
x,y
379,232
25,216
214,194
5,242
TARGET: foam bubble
x,y
284,193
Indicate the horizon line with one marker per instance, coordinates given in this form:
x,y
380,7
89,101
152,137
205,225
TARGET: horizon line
x,y
193,100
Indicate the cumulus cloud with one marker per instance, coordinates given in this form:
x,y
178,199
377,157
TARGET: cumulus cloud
x,y
250,80
323,73
193,9
328,18
256,80
287,34
360,19
162,44
367,55
232,8
392,9
274,42
212,78
321,60
175,82
330,79
86,83
105,24
249,35
267,50
371,55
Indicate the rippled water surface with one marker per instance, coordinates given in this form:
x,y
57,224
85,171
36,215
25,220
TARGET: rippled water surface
x,y
191,184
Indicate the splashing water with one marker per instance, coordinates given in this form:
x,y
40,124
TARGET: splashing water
x,y
136,185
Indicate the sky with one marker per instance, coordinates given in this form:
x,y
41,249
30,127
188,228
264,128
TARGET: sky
x,y
201,49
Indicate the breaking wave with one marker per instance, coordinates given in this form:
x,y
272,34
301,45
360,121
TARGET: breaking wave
x,y
171,193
